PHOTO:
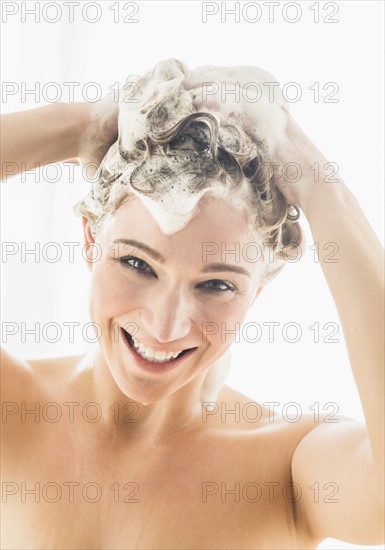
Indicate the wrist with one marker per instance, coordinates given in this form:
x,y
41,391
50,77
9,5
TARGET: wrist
x,y
74,120
324,198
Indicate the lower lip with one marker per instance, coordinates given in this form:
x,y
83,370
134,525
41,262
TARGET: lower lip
x,y
155,367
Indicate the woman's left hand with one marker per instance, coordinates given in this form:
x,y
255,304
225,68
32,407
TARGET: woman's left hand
x,y
300,169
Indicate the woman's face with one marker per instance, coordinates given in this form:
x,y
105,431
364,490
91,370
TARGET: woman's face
x,y
189,290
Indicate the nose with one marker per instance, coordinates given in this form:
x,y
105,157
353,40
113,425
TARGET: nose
x,y
169,316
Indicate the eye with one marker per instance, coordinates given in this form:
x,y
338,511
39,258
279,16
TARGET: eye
x,y
136,264
217,286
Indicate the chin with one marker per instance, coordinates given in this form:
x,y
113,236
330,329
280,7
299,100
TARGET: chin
x,y
142,390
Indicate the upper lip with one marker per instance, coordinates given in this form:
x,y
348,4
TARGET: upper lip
x,y
156,347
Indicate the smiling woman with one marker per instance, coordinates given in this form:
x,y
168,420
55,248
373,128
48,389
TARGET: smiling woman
x,y
163,290
140,459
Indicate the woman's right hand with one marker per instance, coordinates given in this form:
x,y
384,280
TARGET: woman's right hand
x,y
100,130
58,132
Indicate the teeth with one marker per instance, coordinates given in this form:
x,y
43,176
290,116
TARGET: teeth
x,y
154,356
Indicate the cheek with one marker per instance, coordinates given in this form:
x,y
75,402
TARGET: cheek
x,y
111,293
223,321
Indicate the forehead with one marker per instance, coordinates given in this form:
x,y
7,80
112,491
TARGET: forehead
x,y
217,233
215,219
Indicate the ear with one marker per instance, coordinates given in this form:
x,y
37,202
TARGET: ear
x,y
88,242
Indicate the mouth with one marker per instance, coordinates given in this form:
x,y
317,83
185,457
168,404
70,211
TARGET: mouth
x,y
152,363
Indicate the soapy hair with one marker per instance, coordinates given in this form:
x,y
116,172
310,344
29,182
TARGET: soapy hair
x,y
170,146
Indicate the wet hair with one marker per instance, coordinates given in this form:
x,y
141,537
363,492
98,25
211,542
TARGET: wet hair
x,y
196,152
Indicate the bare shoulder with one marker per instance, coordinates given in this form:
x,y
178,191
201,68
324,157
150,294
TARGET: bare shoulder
x,y
238,410
16,376
245,410
55,367
26,378
248,408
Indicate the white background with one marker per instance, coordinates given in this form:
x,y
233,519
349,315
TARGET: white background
x,y
349,132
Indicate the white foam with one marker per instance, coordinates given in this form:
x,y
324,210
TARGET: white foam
x,y
255,105
173,212
173,206
141,93
178,206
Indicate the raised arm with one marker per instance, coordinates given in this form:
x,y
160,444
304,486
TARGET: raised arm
x,y
54,133
31,139
34,138
349,455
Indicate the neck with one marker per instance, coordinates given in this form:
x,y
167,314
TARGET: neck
x,y
180,411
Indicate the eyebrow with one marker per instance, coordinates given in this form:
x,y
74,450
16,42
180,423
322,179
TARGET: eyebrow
x,y
141,246
213,268
222,267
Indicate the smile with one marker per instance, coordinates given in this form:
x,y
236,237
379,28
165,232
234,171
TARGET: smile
x,y
147,355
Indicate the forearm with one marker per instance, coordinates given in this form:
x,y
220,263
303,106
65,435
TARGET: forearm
x,y
356,282
34,138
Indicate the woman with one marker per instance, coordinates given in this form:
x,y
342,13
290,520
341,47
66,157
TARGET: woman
x,y
141,459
